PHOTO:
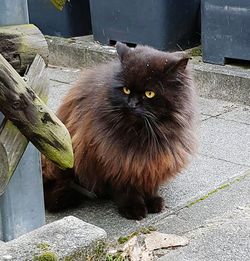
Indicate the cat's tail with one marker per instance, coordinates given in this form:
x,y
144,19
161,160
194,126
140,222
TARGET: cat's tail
x,y
58,192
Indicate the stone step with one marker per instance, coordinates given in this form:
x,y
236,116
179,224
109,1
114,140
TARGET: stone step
x,y
67,239
229,83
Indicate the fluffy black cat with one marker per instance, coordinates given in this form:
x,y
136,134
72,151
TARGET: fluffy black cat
x,y
132,123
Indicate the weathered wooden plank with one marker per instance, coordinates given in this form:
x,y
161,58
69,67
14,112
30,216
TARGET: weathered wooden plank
x,y
37,78
31,116
12,139
19,44
4,168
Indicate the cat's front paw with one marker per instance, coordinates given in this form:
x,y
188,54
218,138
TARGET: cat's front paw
x,y
155,204
136,211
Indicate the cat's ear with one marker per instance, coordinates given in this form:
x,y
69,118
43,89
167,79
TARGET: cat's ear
x,y
182,63
177,65
122,50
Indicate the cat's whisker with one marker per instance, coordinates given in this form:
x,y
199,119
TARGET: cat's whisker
x,y
117,119
110,110
160,131
153,139
183,77
148,132
150,115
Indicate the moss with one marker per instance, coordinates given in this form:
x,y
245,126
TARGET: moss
x,y
143,230
46,256
124,239
218,189
100,250
115,257
196,51
147,230
208,195
43,246
98,253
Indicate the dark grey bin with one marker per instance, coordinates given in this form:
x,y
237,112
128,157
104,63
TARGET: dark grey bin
x,y
225,30
73,20
163,24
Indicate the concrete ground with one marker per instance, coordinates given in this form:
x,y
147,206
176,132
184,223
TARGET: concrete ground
x,y
209,202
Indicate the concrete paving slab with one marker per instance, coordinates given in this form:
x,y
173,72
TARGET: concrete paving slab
x,y
54,84
226,140
240,114
63,74
228,240
204,117
217,227
61,80
234,194
66,239
204,175
56,94
104,215
214,107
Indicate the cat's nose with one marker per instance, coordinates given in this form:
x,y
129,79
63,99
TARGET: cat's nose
x,y
133,103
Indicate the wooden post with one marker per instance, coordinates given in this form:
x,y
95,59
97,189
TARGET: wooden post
x,y
12,139
31,116
27,119
4,165
22,201
19,44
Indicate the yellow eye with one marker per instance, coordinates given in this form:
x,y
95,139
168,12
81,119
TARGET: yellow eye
x,y
126,90
150,94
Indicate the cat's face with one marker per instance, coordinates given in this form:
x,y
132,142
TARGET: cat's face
x,y
147,84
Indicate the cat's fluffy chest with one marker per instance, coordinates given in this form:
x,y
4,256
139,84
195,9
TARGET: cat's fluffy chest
x,y
136,164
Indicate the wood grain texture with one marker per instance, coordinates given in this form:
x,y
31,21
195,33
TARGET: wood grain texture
x,y
13,140
30,115
19,44
4,169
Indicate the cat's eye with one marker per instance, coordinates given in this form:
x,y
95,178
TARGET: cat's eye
x,y
150,94
126,90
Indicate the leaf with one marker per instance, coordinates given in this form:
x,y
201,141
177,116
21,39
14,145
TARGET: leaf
x,y
157,240
135,251
142,247
59,4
